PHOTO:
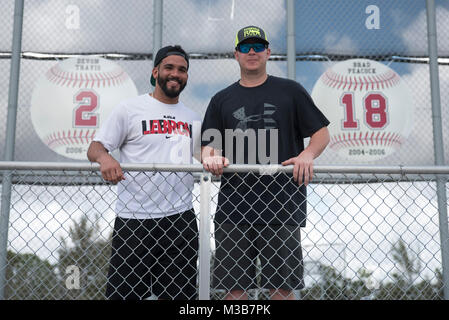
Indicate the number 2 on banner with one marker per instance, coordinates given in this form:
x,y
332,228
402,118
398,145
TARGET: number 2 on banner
x,y
87,103
375,107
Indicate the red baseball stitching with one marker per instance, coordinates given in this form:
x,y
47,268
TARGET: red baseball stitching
x,y
355,139
377,82
80,80
60,138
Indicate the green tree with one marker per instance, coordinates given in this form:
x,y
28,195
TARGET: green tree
x,y
406,285
30,278
333,285
90,255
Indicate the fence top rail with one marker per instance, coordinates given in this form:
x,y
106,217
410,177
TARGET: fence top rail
x,y
262,169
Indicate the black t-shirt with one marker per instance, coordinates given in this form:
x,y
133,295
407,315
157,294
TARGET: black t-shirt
x,y
246,118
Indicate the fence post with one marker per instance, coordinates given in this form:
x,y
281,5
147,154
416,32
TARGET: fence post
x,y
438,140
10,139
204,237
291,40
157,26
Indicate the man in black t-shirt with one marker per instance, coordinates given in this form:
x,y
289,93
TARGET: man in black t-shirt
x,y
261,119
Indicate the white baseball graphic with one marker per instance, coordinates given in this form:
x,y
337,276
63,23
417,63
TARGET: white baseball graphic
x,y
369,107
72,99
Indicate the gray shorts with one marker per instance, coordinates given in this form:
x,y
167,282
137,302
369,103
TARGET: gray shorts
x,y
277,246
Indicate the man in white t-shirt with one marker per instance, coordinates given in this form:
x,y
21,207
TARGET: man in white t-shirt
x,y
155,237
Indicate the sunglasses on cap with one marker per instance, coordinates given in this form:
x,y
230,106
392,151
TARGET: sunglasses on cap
x,y
246,47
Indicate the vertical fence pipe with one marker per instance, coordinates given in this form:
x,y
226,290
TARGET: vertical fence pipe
x,y
10,139
204,237
157,26
438,140
291,57
291,40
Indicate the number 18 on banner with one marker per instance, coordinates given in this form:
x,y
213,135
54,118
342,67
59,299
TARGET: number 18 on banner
x,y
369,107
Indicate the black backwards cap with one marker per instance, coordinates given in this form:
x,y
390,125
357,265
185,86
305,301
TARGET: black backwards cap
x,y
168,51
250,32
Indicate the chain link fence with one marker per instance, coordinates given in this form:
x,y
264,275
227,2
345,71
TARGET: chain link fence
x,y
368,236
326,33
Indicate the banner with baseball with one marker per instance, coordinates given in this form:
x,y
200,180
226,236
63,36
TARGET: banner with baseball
x,y
366,65
370,109
379,110
72,99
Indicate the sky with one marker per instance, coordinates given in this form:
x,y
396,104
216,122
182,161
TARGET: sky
x,y
210,25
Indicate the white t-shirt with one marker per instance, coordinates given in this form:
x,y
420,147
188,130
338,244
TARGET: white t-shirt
x,y
146,130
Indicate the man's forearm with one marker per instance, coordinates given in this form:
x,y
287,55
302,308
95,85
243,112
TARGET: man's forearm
x,y
318,142
96,151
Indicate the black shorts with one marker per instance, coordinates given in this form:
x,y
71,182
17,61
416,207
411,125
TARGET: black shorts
x,y
154,256
277,246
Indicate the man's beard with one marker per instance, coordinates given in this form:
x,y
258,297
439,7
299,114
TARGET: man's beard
x,y
171,93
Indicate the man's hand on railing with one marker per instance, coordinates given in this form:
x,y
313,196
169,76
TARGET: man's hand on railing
x,y
110,169
215,164
302,167
303,163
213,161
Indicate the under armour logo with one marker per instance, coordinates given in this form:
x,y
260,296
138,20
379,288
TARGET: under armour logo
x,y
269,122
